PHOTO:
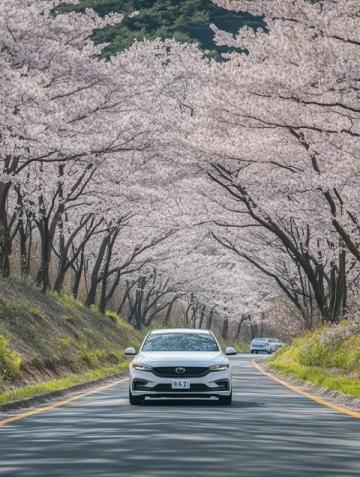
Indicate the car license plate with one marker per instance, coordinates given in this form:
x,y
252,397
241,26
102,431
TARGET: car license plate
x,y
180,384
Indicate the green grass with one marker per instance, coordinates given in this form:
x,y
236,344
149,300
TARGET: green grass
x,y
329,357
241,347
27,392
119,320
67,300
52,342
10,361
319,376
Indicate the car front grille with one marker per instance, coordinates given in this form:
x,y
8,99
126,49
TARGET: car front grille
x,y
190,372
194,388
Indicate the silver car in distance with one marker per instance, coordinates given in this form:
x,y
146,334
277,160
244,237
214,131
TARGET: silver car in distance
x,y
180,363
265,345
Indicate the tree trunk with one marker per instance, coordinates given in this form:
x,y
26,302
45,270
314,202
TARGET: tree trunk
x,y
112,235
168,312
65,262
126,296
43,275
339,290
24,249
91,296
210,319
102,304
138,300
113,289
238,330
62,259
78,275
202,316
5,240
225,329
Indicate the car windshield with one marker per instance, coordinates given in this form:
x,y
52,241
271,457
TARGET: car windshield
x,y
180,342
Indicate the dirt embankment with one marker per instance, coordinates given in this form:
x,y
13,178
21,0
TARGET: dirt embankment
x,y
46,338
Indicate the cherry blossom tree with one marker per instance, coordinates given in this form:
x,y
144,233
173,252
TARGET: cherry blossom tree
x,y
60,103
282,114
161,179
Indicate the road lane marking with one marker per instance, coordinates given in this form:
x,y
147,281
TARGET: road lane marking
x,y
41,410
317,399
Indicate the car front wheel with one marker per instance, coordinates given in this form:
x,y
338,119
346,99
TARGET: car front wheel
x,y
135,400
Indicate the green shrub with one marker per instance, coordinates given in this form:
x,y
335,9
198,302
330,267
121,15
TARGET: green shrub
x,y
92,357
67,300
64,343
112,316
70,320
10,362
95,311
329,357
120,320
348,354
36,313
313,352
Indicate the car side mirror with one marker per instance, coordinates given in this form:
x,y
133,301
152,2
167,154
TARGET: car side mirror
x,y
230,351
131,351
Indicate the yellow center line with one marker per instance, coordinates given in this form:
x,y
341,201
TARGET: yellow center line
x,y
51,407
317,399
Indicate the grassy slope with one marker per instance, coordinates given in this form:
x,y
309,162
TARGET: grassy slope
x,y
329,357
52,342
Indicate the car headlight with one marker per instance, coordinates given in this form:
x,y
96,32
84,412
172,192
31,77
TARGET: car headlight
x,y
220,367
141,367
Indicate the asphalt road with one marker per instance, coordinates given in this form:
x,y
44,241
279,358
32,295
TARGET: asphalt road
x,y
268,431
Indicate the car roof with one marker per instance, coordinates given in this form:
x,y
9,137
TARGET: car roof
x,y
180,330
266,339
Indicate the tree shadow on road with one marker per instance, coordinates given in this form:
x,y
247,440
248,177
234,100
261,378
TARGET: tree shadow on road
x,y
200,403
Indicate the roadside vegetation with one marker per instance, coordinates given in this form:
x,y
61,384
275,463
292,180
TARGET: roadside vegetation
x,y
51,342
240,346
26,392
328,357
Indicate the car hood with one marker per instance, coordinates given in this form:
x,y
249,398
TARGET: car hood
x,y
183,358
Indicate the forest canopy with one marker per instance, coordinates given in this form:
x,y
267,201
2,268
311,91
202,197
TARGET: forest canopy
x,y
184,20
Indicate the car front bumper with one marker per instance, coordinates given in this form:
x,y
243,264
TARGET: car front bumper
x,y
260,349
147,384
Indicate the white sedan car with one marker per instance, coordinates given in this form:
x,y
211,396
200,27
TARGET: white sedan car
x,y
180,363
265,345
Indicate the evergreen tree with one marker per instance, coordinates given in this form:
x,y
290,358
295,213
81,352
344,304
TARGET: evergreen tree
x,y
184,20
